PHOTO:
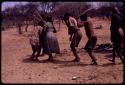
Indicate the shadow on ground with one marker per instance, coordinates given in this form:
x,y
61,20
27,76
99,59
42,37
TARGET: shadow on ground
x,y
63,63
103,51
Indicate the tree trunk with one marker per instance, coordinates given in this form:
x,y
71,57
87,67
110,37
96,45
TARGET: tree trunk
x,y
19,29
26,27
59,24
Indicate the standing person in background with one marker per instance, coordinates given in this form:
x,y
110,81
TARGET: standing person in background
x,y
75,34
116,37
42,33
92,38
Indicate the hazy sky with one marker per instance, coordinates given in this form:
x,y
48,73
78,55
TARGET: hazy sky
x,y
11,4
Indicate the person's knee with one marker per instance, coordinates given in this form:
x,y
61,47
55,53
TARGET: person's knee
x,y
89,51
72,47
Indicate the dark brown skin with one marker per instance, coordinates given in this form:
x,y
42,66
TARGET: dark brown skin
x,y
36,49
116,38
68,25
89,33
89,29
74,37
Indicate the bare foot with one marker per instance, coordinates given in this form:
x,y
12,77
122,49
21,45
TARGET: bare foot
x,y
113,61
94,63
76,60
50,59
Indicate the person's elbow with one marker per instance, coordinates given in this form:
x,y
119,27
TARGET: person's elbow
x,y
80,25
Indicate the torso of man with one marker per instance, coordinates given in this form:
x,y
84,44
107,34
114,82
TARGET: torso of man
x,y
89,29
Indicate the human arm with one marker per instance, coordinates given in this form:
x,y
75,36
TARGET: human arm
x,y
80,23
71,36
54,28
73,23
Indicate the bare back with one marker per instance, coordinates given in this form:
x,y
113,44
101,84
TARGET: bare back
x,y
89,29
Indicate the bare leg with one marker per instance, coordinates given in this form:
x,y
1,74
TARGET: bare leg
x,y
38,53
92,57
120,54
32,57
50,57
77,59
33,54
114,55
43,53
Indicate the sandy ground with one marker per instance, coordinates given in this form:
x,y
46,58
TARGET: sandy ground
x,y
18,68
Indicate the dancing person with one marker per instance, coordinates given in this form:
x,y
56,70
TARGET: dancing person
x,y
92,38
75,34
116,37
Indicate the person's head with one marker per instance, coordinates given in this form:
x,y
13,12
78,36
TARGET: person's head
x,y
83,17
43,16
66,16
41,23
49,19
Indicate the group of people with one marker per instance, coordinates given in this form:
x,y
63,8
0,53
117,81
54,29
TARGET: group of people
x,y
76,35
49,42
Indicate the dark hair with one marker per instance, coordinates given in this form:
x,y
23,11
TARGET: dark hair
x,y
41,23
66,15
49,18
83,17
43,16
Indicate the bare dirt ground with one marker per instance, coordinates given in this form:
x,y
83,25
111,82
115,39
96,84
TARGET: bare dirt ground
x,y
18,68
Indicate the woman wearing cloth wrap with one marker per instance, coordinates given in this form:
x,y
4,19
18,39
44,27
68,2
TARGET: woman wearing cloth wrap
x,y
50,42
